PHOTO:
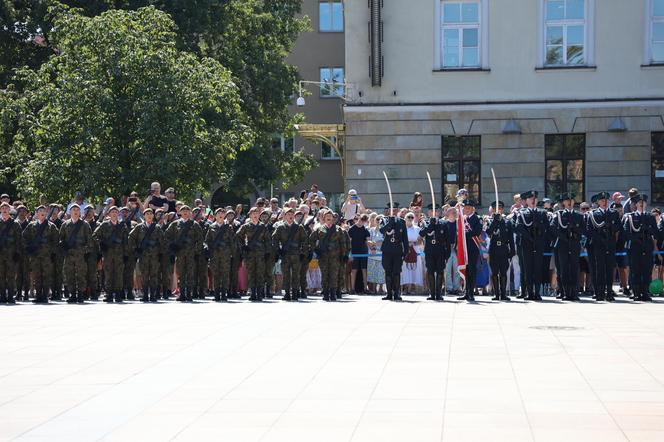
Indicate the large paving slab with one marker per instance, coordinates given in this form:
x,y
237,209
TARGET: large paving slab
x,y
358,370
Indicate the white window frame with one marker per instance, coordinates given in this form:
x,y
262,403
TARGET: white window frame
x,y
282,141
343,11
482,38
650,20
333,152
588,36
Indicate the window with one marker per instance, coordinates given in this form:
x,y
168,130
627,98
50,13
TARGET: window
x,y
328,152
566,32
657,177
461,166
330,16
565,164
334,77
656,28
461,34
283,144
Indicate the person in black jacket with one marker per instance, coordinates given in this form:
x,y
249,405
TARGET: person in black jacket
x,y
501,251
602,227
473,226
436,252
531,228
641,231
568,226
394,250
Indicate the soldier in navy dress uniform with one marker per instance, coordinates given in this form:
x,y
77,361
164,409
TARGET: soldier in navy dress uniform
x,y
394,250
436,252
473,231
501,251
567,226
641,232
531,228
602,227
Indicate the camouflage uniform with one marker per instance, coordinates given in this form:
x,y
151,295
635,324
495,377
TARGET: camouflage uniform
x,y
112,240
40,249
58,260
75,250
130,265
10,255
185,242
166,268
220,250
148,253
254,241
329,245
91,260
23,268
270,259
236,262
306,259
201,272
344,264
290,240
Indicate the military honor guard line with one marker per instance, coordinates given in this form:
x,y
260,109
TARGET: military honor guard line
x,y
162,248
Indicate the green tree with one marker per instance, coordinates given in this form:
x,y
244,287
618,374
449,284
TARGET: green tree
x,y
251,38
121,106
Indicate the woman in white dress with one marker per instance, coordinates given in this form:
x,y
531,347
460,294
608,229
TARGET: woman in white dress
x,y
412,274
375,271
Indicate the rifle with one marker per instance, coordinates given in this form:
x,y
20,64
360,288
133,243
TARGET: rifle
x,y
38,241
146,243
217,241
251,244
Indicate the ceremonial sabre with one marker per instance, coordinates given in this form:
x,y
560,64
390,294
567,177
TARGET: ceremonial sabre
x,y
433,195
495,188
389,190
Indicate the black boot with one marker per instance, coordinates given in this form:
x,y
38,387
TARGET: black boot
x,y
224,295
439,287
3,296
166,294
119,296
146,296
71,297
80,297
326,295
333,294
260,294
182,296
287,296
496,288
302,293
188,294
109,297
431,282
253,297
130,294
396,288
217,295
10,297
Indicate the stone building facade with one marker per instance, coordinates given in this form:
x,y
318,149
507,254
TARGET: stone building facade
x,y
553,95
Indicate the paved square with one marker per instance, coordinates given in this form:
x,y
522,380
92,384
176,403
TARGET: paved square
x,y
360,370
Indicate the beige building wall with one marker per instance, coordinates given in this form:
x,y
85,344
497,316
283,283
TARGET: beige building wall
x,y
314,50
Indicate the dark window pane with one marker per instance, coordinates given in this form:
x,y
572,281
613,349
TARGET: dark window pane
x,y
658,143
575,170
577,189
471,172
554,170
450,191
451,147
554,145
553,188
451,171
574,146
471,147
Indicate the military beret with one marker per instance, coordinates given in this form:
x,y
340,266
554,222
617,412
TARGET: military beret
x,y
112,208
4,195
148,210
74,206
229,212
4,204
185,207
500,204
528,194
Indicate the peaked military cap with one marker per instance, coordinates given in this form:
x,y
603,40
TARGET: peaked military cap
x,y
469,202
500,204
528,194
565,196
600,196
639,197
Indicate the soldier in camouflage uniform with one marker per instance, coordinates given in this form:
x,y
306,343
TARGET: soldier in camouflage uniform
x,y
290,239
92,258
75,239
41,239
166,268
344,261
328,243
111,236
268,220
23,264
10,254
185,241
146,240
236,259
254,241
219,247
307,223
129,218
201,272
58,257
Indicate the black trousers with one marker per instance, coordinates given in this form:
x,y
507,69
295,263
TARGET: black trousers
x,y
392,263
531,270
602,267
471,269
640,267
435,263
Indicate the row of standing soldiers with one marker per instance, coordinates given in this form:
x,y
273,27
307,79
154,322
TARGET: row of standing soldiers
x,y
63,257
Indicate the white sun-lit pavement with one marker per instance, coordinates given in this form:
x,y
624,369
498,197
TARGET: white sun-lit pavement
x,y
361,370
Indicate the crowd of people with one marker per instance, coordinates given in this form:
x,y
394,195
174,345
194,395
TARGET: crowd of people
x,y
160,248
